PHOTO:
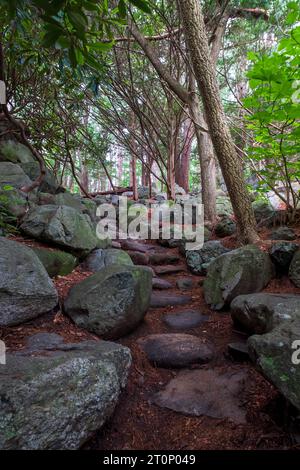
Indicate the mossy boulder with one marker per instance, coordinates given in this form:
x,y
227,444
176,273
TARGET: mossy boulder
x,y
62,226
198,260
112,302
13,175
56,262
15,152
241,271
99,259
59,400
26,290
275,353
294,270
49,183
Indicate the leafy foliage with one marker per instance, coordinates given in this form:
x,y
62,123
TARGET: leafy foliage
x,y
275,113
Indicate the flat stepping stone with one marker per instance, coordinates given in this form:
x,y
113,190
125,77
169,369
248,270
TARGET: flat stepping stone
x,y
239,351
168,269
176,350
185,283
185,319
163,258
44,341
161,284
136,246
166,300
139,258
206,392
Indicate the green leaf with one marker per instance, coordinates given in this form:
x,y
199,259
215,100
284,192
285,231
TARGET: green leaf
x,y
78,20
141,5
122,9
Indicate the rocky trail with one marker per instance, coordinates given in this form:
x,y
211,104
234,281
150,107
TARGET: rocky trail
x,y
192,385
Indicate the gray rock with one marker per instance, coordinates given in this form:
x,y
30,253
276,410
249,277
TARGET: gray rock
x,y
274,352
16,203
49,183
186,283
56,262
260,313
139,258
263,210
206,392
12,174
197,258
282,254
44,342
176,350
238,351
185,319
61,225
159,300
15,152
143,192
242,271
163,258
223,206
26,290
168,269
161,284
99,259
225,227
112,302
58,401
294,271
68,199
283,233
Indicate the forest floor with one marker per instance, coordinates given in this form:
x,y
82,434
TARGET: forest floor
x,y
137,422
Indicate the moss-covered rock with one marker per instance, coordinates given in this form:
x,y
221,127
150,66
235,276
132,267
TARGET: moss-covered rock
x,y
56,262
26,290
61,225
112,302
242,271
294,270
60,400
49,183
99,259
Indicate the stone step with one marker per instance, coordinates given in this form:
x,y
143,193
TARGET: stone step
x,y
138,257
163,258
184,319
134,245
176,350
168,269
161,284
166,300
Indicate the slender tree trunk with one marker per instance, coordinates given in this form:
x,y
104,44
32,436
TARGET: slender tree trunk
x,y
197,43
207,163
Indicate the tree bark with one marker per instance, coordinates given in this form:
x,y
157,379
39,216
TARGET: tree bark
x,y
197,43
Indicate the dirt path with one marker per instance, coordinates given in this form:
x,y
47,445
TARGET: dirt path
x,y
139,424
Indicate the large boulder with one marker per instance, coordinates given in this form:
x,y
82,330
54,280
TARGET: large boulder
x,y
15,152
263,210
225,227
241,271
223,206
61,225
26,290
260,313
56,262
12,174
49,183
283,233
99,259
275,352
112,302
15,202
282,254
198,260
58,401
294,270
68,199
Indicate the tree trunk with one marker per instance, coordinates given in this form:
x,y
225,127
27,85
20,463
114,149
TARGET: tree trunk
x,y
197,43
